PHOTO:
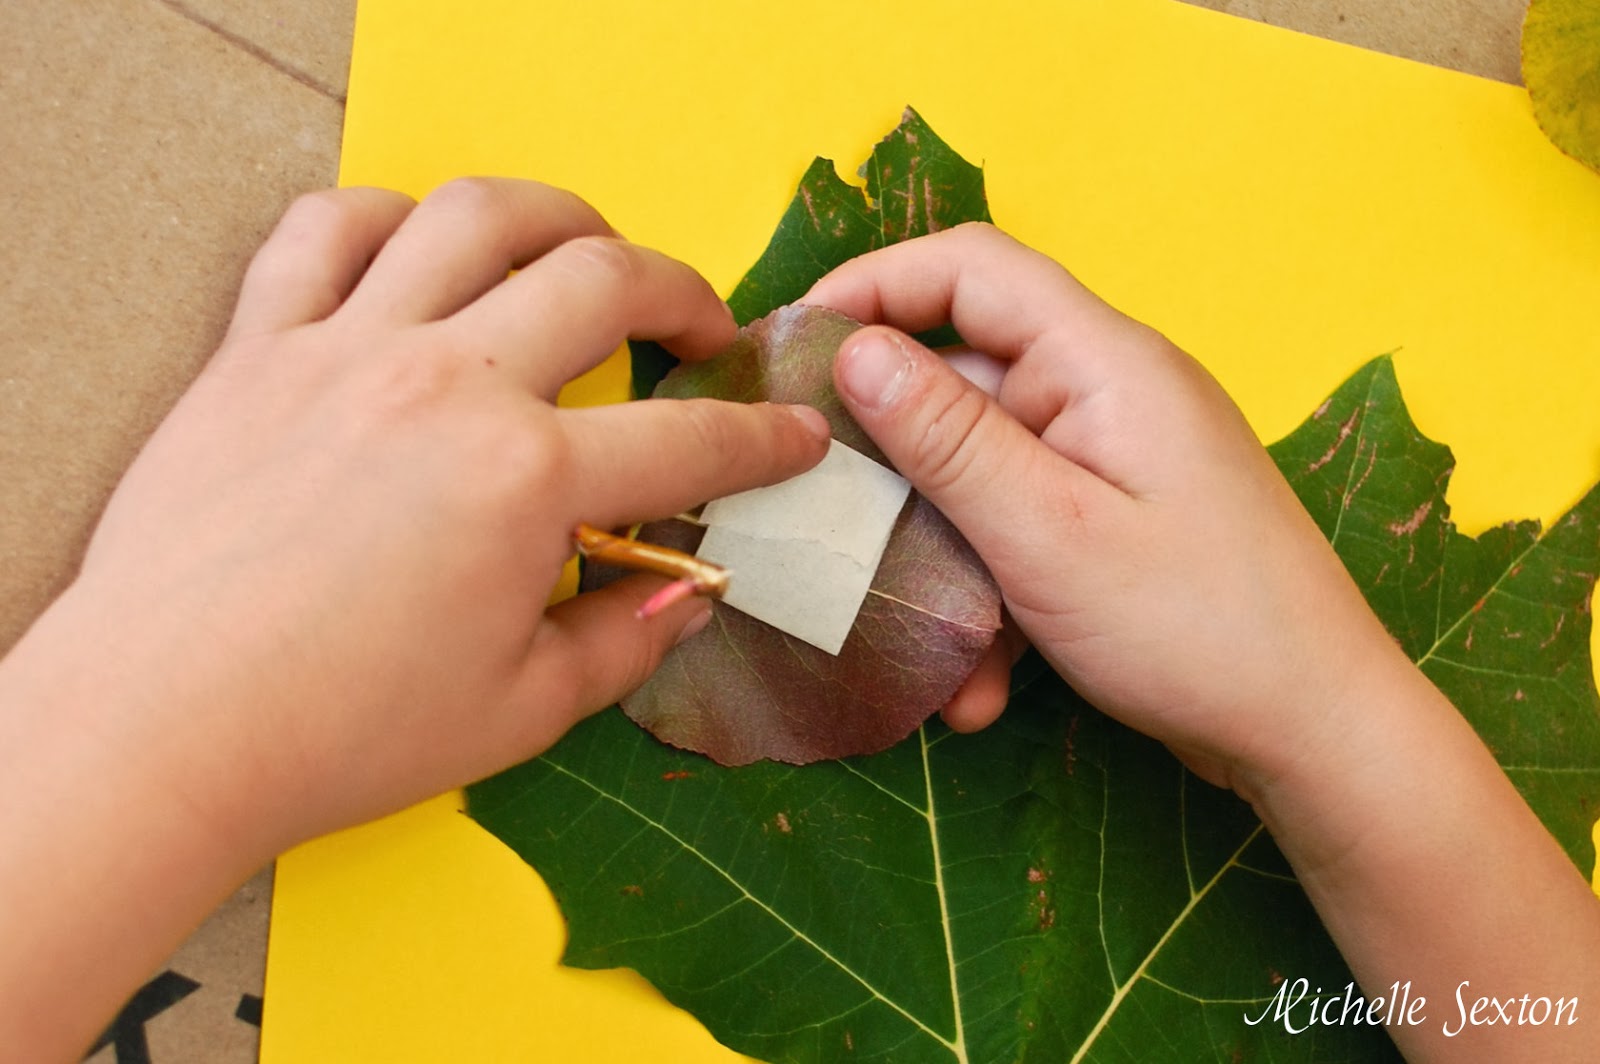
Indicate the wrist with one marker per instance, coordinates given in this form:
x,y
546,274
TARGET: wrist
x,y
112,856
1376,758
1337,755
90,703
1415,849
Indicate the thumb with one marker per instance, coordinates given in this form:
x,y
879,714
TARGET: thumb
x,y
591,650
996,481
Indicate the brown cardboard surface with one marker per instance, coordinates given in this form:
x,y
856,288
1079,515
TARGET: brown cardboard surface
x,y
211,1007
146,147
1478,36
143,156
308,40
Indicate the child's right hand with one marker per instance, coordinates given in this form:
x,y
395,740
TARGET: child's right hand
x,y
1142,537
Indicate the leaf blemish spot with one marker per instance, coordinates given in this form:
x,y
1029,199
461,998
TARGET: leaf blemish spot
x,y
1047,912
782,822
1345,430
679,774
805,194
1414,522
1372,463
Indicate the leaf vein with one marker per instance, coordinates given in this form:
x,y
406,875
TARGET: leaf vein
x,y
959,1045
930,613
822,950
1139,972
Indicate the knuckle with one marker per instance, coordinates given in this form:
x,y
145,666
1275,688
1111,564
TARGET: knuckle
x,y
469,195
605,261
979,233
516,458
978,230
326,207
710,432
947,444
534,461
515,470
564,202
324,217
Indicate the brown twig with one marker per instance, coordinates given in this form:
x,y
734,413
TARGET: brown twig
x,y
692,576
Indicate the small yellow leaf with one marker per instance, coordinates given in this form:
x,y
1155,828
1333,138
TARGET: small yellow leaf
x,y
1561,67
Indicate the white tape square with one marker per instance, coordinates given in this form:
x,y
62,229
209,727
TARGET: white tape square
x,y
803,553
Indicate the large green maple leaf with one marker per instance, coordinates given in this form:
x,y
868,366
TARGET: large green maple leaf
x,y
1056,888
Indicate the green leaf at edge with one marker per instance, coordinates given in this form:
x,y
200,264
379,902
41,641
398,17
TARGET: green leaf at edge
x,y
1561,67
1499,623
915,185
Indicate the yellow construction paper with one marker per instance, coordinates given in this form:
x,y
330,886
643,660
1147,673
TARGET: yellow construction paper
x,y
1283,207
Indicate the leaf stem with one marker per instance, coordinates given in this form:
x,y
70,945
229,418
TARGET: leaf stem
x,y
692,576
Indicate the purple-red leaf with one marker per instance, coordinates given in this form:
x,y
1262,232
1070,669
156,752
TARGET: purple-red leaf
x,y
741,690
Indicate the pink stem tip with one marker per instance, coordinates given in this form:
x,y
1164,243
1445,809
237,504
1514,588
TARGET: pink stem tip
x,y
673,593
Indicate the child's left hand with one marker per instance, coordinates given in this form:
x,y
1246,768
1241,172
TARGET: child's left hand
x,y
325,578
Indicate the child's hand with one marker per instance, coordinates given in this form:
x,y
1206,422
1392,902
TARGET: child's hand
x,y
336,553
1148,546
1143,539
320,593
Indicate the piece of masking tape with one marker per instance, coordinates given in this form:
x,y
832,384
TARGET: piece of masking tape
x,y
802,554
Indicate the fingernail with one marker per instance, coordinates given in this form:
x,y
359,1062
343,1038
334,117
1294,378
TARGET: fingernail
x,y
874,368
696,625
813,419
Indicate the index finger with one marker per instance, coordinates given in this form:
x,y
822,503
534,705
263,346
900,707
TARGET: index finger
x,y
999,294
654,458
565,313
